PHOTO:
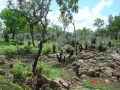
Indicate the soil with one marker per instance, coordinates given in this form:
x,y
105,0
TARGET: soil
x,y
85,60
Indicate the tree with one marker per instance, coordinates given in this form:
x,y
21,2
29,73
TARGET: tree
x,y
25,7
64,20
110,20
84,31
102,32
98,23
54,30
14,21
37,11
113,25
67,7
40,13
1,27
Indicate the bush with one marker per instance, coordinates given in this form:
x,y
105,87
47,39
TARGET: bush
x,y
47,48
8,85
27,36
48,70
51,73
37,36
68,48
25,50
20,37
6,37
18,71
8,52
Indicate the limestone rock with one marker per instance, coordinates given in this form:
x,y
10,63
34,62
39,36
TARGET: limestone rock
x,y
114,79
97,74
59,82
112,65
45,87
98,70
2,62
81,61
55,84
40,80
107,81
75,68
74,63
2,72
91,73
92,61
76,79
108,71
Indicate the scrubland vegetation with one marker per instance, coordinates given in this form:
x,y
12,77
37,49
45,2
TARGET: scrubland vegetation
x,y
38,55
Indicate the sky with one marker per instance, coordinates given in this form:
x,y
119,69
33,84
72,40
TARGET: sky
x,y
88,11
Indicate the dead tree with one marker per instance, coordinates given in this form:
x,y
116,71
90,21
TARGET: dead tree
x,y
60,59
80,47
54,49
28,43
71,53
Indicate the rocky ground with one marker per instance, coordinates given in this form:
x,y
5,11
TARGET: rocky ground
x,y
87,65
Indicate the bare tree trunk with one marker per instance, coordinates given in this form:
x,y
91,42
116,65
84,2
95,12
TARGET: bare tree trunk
x,y
39,51
32,35
37,57
13,36
75,37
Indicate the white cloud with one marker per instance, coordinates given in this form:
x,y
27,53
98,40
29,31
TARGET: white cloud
x,y
98,8
85,17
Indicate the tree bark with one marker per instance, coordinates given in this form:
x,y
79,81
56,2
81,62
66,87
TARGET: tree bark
x,y
13,36
39,51
32,35
75,37
37,57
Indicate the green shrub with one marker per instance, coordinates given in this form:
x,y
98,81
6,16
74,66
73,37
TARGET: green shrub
x,y
8,85
18,71
47,48
27,36
48,70
8,52
20,37
6,37
24,50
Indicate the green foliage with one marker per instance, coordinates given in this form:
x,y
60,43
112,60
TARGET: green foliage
x,y
48,70
98,23
70,5
93,40
27,36
13,20
51,73
18,71
113,26
10,49
8,85
103,56
8,52
20,37
25,50
47,48
84,31
37,36
68,48
6,37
